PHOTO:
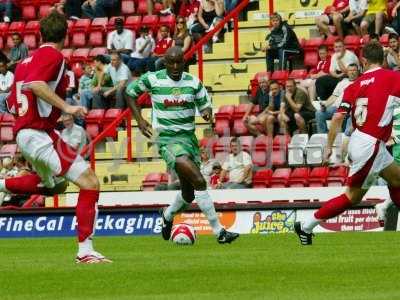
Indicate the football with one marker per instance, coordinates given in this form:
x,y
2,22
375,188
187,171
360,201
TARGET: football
x,y
183,234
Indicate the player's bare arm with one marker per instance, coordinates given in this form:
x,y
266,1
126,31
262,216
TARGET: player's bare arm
x,y
144,126
43,91
336,125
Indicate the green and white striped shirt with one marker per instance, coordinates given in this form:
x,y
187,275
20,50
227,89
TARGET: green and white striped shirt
x,y
174,102
396,125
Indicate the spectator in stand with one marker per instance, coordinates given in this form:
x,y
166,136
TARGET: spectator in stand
x,y
329,107
281,43
121,40
189,10
101,82
85,82
6,7
333,15
120,76
144,46
71,89
181,36
376,13
6,81
72,9
239,167
73,134
18,52
358,9
296,109
168,6
216,176
269,99
392,53
394,27
210,13
321,70
340,60
207,163
98,8
156,61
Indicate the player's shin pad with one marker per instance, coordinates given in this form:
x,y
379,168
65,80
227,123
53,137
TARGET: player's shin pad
x,y
86,213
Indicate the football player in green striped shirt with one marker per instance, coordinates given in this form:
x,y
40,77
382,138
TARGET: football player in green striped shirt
x,y
175,96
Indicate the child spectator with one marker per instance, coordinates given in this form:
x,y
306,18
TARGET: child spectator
x,y
156,61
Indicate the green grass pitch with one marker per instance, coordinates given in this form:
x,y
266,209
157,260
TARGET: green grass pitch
x,y
338,266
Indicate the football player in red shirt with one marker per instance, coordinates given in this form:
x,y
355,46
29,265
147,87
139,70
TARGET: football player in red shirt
x,y
370,100
37,99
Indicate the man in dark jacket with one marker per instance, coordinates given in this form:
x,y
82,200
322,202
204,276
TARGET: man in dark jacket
x,y
281,43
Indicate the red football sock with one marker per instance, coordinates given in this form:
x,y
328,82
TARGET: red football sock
x,y
333,207
23,185
86,213
395,195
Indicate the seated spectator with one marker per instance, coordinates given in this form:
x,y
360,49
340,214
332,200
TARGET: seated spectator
x,y
207,163
394,26
358,9
210,13
340,60
73,134
392,59
376,13
101,81
120,76
6,81
98,8
72,9
329,107
181,36
188,10
281,43
71,88
156,61
85,82
237,167
121,40
168,6
269,100
6,7
296,109
321,70
333,15
216,176
144,46
18,52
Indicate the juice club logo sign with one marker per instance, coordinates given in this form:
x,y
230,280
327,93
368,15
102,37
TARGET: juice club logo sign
x,y
353,220
200,222
277,221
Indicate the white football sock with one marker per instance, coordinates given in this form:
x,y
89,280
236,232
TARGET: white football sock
x,y
178,205
386,204
3,185
309,224
206,205
85,247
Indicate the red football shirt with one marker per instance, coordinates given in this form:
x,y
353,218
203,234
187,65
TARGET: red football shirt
x,y
162,46
46,64
190,8
371,100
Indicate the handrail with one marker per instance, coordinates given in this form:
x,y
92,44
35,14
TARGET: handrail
x,y
126,114
233,14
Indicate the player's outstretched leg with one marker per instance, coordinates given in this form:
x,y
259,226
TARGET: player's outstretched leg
x,y
381,209
168,214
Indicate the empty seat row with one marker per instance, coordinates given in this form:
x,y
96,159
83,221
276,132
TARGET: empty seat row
x,y
98,119
153,179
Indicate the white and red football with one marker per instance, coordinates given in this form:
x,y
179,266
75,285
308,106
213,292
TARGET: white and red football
x,y
183,234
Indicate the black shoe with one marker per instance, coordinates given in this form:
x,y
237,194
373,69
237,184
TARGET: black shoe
x,y
227,237
166,226
305,238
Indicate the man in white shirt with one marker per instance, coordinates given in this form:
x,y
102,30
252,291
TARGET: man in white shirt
x,y
144,46
6,80
329,107
73,134
340,60
120,76
121,40
239,167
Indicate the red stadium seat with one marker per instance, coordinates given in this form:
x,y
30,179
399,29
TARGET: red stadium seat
x,y
97,51
67,53
337,176
352,42
261,150
81,25
279,157
281,142
78,39
31,41
298,74
133,23
281,76
151,22
96,39
142,7
95,116
6,134
329,41
384,39
8,150
262,75
111,23
99,24
222,120
312,44
299,177
169,21
110,115
7,120
32,27
92,130
310,59
151,180
318,177
4,29
209,144
80,55
280,178
261,178
222,148
1,43
28,12
247,143
127,7
97,31
16,27
77,68
44,10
